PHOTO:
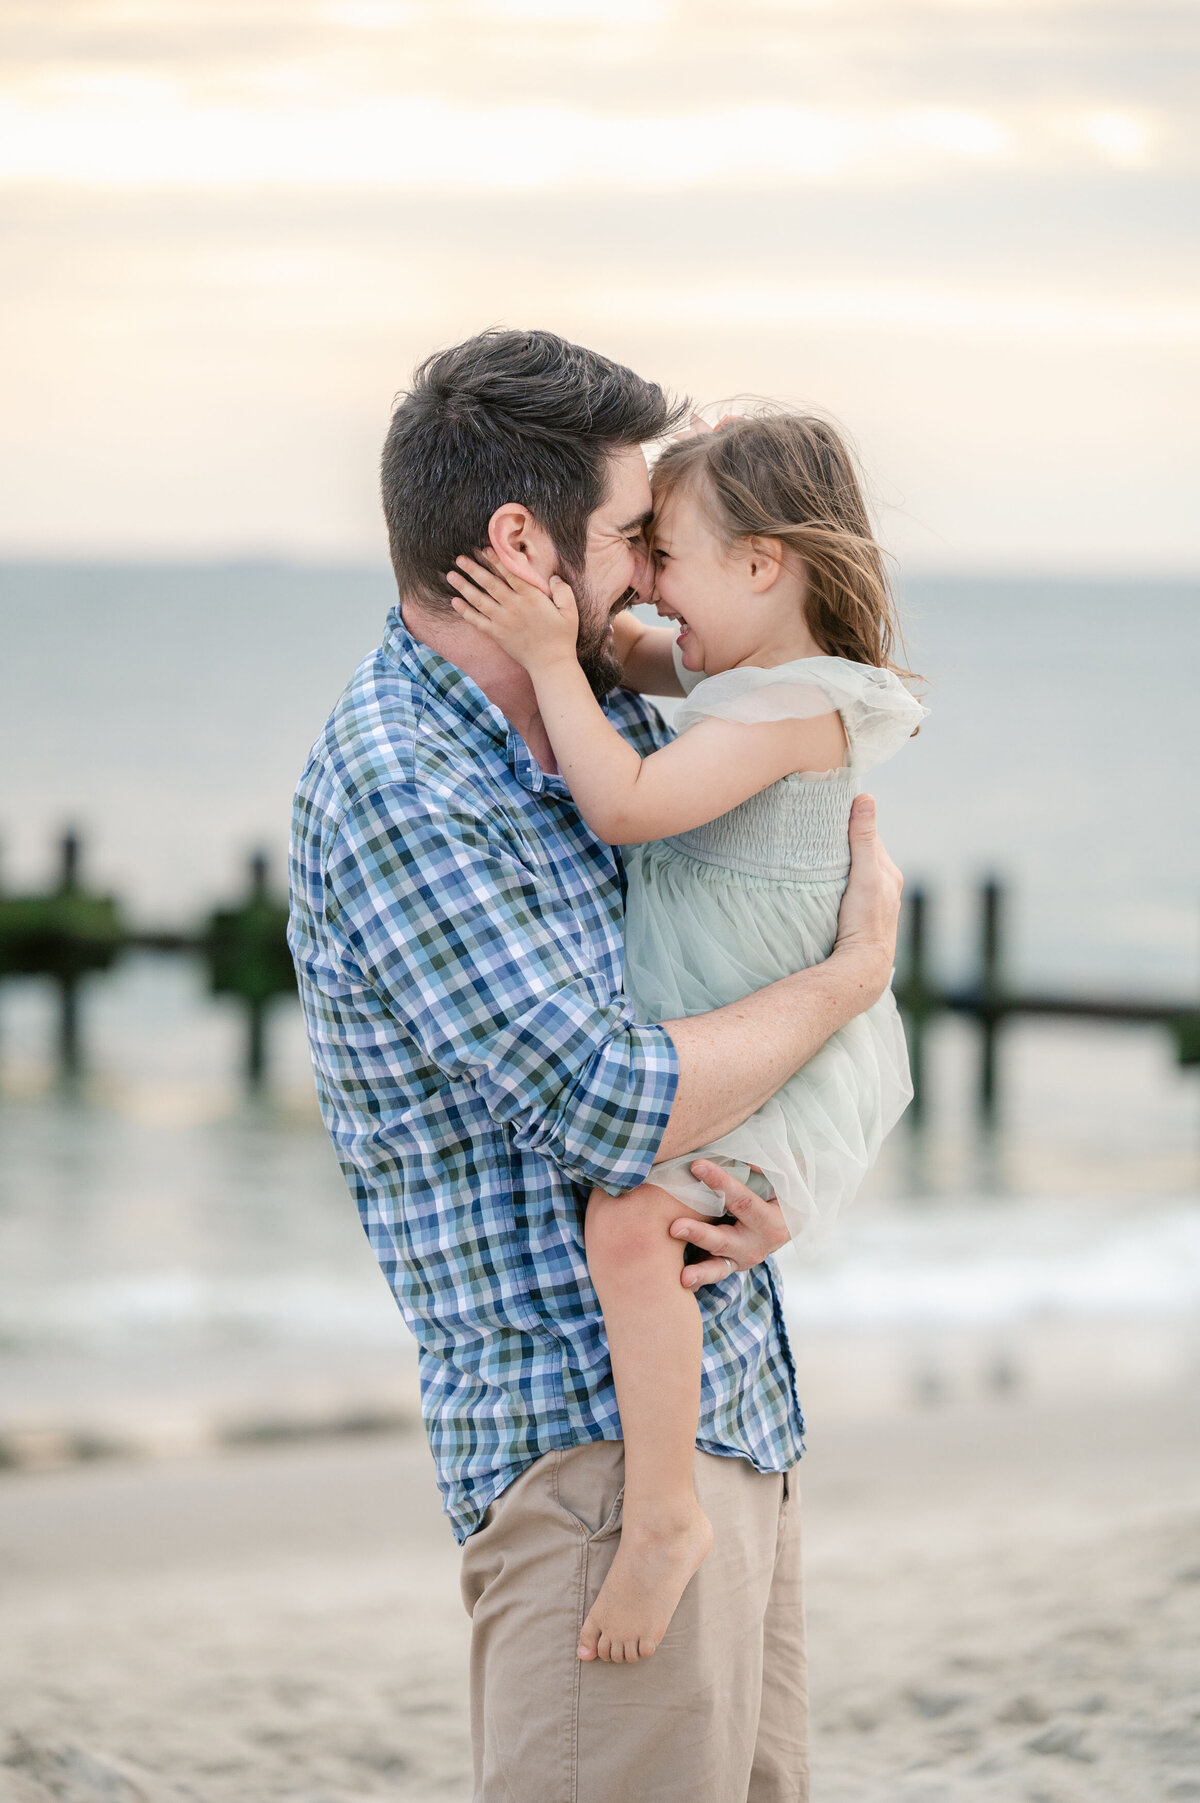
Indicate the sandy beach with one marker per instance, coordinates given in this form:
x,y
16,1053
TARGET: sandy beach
x,y
1004,1604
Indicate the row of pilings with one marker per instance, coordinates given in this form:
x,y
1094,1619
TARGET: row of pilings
x,y
71,935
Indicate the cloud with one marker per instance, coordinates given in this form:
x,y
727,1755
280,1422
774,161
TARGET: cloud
x,y
581,95
138,129
907,309
961,225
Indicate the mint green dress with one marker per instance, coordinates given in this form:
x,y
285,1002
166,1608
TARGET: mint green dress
x,y
728,907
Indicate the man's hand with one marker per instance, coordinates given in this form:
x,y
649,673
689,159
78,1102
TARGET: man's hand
x,y
698,426
758,1231
534,628
870,910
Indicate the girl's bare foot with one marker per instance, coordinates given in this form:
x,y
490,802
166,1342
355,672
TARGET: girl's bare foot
x,y
656,1557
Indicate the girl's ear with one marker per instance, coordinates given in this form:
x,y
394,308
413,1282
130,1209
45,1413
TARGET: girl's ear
x,y
764,561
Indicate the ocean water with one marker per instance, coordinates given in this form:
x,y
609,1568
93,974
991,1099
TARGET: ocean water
x,y
172,1251
168,711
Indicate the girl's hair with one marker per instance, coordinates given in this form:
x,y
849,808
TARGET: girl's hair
x,y
790,476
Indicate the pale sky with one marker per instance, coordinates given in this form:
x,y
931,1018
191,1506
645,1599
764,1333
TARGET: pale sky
x,y
960,226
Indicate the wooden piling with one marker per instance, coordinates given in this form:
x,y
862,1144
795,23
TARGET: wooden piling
x,y
70,1050
248,956
991,1003
65,934
914,997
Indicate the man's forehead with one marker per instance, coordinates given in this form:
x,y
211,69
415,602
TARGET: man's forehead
x,y
627,503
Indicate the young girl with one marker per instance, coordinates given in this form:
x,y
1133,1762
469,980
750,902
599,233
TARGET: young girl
x,y
737,856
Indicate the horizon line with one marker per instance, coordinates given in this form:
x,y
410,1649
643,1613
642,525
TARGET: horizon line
x,y
1029,570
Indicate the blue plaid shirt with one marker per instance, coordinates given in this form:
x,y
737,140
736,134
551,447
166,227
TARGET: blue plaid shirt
x,y
457,932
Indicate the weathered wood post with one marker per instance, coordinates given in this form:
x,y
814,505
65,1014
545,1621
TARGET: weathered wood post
x,y
69,1057
256,1011
914,997
248,956
1186,1031
990,1001
64,935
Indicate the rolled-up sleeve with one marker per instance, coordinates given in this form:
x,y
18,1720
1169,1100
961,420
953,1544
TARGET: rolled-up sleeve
x,y
475,952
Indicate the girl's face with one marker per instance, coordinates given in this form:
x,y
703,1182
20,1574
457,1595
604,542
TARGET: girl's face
x,y
697,585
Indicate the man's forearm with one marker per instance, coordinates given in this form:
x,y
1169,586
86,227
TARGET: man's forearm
x,y
733,1060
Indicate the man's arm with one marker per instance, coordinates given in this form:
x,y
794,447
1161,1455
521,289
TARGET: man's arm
x,y
733,1060
479,957
447,923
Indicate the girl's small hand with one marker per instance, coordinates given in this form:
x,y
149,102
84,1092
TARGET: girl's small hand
x,y
534,628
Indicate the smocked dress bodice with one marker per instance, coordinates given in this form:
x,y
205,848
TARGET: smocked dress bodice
x,y
795,831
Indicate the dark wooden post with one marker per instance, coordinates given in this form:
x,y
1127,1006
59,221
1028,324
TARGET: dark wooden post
x,y
64,934
256,1006
256,1042
915,998
990,998
248,957
70,1055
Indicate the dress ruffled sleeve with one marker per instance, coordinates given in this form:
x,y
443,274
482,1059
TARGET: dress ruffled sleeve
x,y
877,711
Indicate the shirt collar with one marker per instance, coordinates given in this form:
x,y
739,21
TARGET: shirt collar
x,y
432,671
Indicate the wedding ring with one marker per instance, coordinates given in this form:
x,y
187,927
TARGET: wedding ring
x,y
729,1262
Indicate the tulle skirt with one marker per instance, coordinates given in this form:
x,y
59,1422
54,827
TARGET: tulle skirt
x,y
699,936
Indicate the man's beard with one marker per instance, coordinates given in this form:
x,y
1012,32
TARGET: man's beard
x,y
592,647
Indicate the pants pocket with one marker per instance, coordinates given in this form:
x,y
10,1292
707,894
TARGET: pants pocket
x,y
587,1485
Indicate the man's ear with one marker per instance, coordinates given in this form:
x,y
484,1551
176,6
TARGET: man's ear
x,y
764,562
522,546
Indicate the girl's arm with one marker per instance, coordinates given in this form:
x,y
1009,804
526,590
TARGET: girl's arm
x,y
644,654
624,798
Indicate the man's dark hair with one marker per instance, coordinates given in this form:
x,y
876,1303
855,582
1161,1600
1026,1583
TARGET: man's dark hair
x,y
506,416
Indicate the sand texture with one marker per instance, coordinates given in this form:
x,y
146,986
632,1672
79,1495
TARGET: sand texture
x,y
1003,1605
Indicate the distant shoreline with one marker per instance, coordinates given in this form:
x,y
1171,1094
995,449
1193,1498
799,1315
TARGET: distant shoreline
x,y
1067,576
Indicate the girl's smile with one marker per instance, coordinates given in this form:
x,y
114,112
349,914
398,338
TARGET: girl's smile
x,y
733,604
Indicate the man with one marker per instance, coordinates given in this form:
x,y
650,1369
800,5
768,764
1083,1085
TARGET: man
x,y
457,933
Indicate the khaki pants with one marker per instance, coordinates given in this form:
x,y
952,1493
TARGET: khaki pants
x,y
718,1715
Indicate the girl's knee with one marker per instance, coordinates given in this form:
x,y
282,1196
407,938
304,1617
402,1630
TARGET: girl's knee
x,y
615,1228
632,1227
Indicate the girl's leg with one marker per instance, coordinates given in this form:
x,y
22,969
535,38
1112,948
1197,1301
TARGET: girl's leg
x,y
654,1336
